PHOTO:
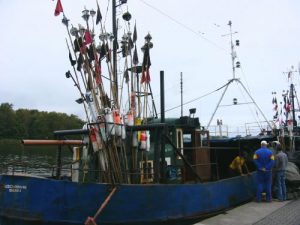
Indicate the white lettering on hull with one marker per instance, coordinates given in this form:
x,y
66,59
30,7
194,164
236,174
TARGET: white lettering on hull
x,y
15,188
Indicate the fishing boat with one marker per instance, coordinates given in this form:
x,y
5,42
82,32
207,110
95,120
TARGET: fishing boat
x,y
129,165
286,118
187,188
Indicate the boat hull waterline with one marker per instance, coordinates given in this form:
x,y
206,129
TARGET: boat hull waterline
x,y
62,201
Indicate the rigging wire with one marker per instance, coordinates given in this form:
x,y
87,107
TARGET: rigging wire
x,y
195,99
182,25
107,9
242,72
255,115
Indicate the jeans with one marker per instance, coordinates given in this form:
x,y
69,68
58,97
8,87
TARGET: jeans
x,y
280,183
264,181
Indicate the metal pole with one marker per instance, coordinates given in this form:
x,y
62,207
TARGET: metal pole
x,y
162,113
115,41
162,97
293,104
255,103
58,160
181,93
227,85
232,52
138,95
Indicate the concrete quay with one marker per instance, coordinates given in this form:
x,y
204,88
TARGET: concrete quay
x,y
264,213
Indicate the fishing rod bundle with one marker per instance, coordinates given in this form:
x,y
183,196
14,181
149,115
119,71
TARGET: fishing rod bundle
x,y
96,76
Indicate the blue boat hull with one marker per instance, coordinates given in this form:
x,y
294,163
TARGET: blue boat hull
x,y
59,201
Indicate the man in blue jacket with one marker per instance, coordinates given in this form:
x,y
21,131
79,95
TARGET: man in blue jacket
x,y
264,161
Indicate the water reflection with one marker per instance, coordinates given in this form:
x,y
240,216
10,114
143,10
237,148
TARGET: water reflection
x,y
35,161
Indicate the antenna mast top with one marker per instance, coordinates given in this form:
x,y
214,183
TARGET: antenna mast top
x,y
233,53
235,65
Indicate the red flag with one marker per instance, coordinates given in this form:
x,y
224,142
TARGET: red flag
x,y
58,8
87,38
146,76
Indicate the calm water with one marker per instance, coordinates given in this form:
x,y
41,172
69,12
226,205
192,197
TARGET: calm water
x,y
33,159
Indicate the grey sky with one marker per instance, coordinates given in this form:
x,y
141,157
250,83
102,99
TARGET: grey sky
x,y
187,37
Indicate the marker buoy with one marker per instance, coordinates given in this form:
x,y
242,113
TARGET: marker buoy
x,y
95,139
110,127
117,121
130,120
143,140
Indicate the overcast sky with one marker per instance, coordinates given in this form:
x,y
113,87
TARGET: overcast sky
x,y
188,37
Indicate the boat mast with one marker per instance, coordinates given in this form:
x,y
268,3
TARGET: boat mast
x,y
291,95
233,54
292,89
235,65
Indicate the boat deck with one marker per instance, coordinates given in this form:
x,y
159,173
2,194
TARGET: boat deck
x,y
254,213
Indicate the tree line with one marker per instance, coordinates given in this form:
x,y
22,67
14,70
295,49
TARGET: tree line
x,y
34,124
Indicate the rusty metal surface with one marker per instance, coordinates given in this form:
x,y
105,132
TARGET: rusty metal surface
x,y
52,142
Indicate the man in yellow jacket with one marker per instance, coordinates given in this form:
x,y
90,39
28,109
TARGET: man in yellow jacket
x,y
237,165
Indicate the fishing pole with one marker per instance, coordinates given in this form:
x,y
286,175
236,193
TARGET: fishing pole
x,y
97,68
65,21
68,75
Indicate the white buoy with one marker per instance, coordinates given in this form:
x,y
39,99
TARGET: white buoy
x,y
130,119
147,140
110,127
102,132
75,164
123,135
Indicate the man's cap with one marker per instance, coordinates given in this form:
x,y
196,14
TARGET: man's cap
x,y
263,143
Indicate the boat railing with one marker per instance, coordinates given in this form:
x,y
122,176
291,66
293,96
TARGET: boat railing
x,y
13,168
143,175
249,129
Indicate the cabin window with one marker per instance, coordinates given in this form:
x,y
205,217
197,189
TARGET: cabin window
x,y
146,171
187,138
168,160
